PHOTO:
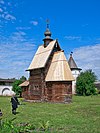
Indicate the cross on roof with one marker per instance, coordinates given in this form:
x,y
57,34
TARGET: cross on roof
x,y
48,22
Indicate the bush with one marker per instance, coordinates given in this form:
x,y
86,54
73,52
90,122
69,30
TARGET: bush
x,y
85,83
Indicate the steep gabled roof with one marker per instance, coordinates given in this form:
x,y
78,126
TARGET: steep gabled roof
x,y
72,63
25,83
59,69
42,55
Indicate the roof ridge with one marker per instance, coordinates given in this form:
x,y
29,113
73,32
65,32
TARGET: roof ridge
x,y
41,56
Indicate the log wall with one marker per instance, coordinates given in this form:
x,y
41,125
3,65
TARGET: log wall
x,y
59,91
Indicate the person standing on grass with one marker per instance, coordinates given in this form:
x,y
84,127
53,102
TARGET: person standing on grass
x,y
1,113
15,104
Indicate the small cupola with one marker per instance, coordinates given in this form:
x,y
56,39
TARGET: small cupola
x,y
71,54
47,34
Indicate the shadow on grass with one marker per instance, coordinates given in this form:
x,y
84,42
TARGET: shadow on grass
x,y
17,113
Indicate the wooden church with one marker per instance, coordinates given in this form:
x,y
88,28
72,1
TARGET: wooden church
x,y
50,76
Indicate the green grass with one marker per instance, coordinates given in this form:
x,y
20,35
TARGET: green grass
x,y
81,116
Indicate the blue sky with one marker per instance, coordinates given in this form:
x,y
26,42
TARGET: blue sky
x,y
75,23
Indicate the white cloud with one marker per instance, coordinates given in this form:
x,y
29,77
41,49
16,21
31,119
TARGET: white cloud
x,y
1,10
5,12
9,17
19,33
23,28
88,57
35,23
16,53
72,38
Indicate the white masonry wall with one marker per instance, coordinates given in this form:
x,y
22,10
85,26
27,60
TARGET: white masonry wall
x,y
6,90
75,74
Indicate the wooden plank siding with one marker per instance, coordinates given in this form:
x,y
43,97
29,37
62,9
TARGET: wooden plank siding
x,y
59,91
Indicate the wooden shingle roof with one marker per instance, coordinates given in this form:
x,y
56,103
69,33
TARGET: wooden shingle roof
x,y
72,63
41,56
25,83
59,69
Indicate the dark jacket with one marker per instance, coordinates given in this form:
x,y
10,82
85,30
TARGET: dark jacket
x,y
1,113
14,102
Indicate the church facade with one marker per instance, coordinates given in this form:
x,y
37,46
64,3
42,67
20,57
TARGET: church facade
x,y
50,76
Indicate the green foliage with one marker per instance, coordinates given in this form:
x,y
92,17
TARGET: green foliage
x,y
44,126
0,122
85,83
23,78
16,88
7,126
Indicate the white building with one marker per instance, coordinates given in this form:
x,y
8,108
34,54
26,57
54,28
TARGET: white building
x,y
75,72
6,87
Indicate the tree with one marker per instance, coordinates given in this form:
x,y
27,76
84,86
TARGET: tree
x,y
85,83
16,88
23,78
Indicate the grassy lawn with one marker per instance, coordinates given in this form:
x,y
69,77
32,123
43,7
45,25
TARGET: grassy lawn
x,y
81,116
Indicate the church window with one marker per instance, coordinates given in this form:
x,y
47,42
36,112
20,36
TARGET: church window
x,y
36,87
